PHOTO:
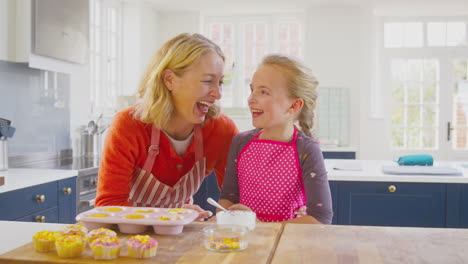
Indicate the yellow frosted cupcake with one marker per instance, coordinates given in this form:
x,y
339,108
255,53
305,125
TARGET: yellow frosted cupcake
x,y
70,246
142,246
75,229
100,233
105,247
44,241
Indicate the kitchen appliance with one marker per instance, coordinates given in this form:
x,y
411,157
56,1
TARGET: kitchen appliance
x,y
87,172
3,154
6,131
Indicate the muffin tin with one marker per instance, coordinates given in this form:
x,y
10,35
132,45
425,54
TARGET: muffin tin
x,y
135,220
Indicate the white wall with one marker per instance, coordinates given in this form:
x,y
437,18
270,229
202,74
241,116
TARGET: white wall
x,y
172,23
337,50
140,32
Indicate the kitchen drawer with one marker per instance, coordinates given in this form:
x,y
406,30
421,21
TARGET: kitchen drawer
x,y
67,196
46,216
392,204
22,202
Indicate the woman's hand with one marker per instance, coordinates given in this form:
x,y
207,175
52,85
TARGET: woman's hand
x,y
239,207
202,214
301,211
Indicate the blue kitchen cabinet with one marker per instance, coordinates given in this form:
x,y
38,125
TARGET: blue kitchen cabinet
x,y
334,195
208,188
339,154
457,205
67,197
52,202
392,204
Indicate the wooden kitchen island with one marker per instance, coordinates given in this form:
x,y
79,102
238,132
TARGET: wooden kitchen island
x,y
274,243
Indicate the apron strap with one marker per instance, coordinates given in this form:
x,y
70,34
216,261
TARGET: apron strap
x,y
153,149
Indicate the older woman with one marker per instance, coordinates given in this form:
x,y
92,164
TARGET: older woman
x,y
158,152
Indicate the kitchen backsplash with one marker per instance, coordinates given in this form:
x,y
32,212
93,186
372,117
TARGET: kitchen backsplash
x,y
37,103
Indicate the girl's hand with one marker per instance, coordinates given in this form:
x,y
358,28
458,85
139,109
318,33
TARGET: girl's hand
x,y
301,211
202,214
239,207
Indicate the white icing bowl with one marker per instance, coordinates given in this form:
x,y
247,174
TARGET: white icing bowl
x,y
234,217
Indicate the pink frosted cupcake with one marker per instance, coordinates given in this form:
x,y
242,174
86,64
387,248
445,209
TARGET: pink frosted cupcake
x,y
70,246
142,246
105,247
100,233
75,229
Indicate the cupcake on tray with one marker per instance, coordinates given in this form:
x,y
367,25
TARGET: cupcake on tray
x,y
100,233
70,246
105,247
75,229
142,246
44,241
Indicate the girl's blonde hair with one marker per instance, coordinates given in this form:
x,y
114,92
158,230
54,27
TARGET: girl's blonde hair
x,y
301,83
177,54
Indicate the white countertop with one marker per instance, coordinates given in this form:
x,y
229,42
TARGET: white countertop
x,y
16,234
22,178
371,170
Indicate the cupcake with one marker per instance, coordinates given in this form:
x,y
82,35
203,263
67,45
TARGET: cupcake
x,y
44,241
70,246
100,233
75,229
105,247
142,246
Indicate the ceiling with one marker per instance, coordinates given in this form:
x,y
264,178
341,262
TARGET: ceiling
x,y
383,7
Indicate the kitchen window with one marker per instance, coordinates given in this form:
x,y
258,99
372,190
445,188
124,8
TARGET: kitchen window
x,y
245,40
425,71
105,54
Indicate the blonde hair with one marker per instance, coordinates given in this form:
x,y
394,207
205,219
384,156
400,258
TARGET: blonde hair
x,y
177,54
301,83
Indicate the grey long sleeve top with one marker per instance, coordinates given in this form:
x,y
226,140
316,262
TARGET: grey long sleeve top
x,y
314,175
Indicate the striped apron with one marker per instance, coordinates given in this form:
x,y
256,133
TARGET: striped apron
x,y
147,191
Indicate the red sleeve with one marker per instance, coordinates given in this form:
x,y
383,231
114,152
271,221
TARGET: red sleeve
x,y
119,159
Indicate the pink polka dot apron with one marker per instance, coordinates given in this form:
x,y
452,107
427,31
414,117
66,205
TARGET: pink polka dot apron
x,y
270,180
147,191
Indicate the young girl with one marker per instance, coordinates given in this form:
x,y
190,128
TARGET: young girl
x,y
276,169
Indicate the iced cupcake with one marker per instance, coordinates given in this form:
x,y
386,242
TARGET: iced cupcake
x,y
70,246
44,241
105,247
100,233
142,246
75,229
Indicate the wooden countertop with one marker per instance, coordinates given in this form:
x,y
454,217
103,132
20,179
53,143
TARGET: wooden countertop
x,y
369,244
186,247
277,243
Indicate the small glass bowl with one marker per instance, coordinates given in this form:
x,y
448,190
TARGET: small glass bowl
x,y
225,238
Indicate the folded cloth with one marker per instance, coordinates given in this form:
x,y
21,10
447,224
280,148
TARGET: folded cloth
x,y
411,160
420,170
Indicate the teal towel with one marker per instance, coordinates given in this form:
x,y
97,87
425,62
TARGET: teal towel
x,y
419,160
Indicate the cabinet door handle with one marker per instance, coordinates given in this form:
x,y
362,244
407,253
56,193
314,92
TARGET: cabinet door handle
x,y
40,219
392,188
67,190
40,198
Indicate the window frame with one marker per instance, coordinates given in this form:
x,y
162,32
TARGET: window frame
x,y
445,56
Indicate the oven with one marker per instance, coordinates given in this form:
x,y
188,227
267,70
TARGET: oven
x,y
86,192
86,167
